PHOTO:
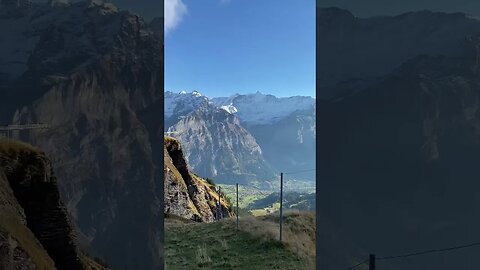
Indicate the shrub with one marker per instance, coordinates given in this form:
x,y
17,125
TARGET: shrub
x,y
210,181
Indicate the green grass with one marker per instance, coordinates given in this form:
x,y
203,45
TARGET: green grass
x,y
258,212
219,245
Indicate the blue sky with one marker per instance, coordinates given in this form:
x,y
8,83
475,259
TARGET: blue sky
x,y
223,47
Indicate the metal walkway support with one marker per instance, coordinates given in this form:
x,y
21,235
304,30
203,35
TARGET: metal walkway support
x,y
7,131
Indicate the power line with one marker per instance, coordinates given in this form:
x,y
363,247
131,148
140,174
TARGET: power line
x,y
429,251
418,253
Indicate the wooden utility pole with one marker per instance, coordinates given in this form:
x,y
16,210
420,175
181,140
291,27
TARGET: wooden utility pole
x,y
237,206
281,204
371,262
219,203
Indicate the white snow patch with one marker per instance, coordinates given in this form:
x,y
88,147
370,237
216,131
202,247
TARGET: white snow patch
x,y
260,108
229,108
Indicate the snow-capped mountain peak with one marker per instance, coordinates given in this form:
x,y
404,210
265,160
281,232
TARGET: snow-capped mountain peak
x,y
196,94
262,108
183,103
229,108
257,108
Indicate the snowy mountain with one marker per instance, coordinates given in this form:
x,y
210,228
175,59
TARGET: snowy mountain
x,y
184,103
282,128
258,108
215,143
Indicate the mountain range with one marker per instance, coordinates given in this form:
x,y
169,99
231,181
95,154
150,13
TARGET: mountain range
x,y
355,51
243,138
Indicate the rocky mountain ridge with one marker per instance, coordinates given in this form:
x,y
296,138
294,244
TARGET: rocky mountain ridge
x,y
358,50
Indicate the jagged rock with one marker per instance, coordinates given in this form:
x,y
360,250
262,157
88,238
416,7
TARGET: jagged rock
x,y
187,195
35,232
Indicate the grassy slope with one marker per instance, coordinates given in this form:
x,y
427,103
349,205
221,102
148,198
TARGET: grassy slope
x,y
219,246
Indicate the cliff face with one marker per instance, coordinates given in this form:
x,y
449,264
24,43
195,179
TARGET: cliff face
x,y
187,195
35,232
412,142
219,147
215,143
90,71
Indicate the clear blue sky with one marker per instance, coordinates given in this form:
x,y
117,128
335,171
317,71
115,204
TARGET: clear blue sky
x,y
222,47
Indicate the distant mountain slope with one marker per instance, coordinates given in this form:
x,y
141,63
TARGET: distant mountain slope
x,y
362,48
283,127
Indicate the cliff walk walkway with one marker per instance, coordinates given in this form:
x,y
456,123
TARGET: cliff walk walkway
x,y
7,131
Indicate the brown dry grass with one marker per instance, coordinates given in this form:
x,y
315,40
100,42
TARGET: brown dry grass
x,y
13,146
299,232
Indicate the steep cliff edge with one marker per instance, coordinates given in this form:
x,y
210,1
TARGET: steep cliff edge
x,y
187,195
35,232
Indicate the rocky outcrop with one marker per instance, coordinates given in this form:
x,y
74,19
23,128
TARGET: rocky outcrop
x,y
35,232
186,194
